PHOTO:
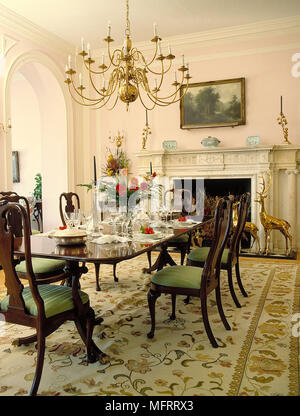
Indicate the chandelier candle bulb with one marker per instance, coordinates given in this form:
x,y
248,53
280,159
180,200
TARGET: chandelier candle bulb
x,y
155,29
89,50
80,79
159,47
182,60
108,29
69,61
169,49
82,44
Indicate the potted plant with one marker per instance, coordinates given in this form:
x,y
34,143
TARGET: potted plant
x,y
37,191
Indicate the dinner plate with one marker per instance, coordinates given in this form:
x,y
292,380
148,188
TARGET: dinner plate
x,y
156,236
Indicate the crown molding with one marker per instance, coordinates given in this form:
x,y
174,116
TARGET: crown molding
x,y
241,33
267,28
22,27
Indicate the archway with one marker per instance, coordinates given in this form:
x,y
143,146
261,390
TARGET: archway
x,y
42,128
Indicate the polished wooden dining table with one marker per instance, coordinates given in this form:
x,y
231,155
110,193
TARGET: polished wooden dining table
x,y
77,256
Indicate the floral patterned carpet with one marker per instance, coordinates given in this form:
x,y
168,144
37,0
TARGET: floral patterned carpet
x,y
258,357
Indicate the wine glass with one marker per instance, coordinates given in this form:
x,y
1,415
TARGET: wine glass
x,y
72,219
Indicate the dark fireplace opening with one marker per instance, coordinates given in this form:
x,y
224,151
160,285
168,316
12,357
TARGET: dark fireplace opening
x,y
218,188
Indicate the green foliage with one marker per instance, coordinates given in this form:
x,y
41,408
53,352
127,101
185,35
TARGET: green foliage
x,y
37,191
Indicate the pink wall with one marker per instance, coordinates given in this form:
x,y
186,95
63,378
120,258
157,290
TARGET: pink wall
x,y
266,65
26,133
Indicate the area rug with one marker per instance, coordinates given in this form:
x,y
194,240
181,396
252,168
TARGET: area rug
x,y
258,357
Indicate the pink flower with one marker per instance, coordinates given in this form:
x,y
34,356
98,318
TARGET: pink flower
x,y
144,186
121,189
124,172
134,181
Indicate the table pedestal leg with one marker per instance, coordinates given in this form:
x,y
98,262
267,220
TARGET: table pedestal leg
x,y
162,260
76,271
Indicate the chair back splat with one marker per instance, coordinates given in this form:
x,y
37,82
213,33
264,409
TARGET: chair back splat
x,y
8,241
238,230
15,218
211,270
70,198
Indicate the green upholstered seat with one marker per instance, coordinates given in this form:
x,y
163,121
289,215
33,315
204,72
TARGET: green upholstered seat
x,y
200,254
57,299
42,266
181,239
179,276
33,232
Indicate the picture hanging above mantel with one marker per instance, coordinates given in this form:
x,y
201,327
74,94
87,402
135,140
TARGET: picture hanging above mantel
x,y
214,104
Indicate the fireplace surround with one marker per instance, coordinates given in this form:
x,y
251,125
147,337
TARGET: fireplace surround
x,y
282,161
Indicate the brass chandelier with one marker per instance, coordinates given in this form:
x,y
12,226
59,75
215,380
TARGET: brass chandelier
x,y
126,75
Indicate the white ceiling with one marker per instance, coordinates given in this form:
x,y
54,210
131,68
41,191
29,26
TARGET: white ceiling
x,y
73,19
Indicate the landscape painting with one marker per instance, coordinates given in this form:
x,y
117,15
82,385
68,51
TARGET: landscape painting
x,y
213,104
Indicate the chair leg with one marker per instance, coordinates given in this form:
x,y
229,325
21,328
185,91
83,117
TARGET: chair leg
x,y
182,253
149,258
89,333
97,272
238,278
115,276
152,297
231,288
220,308
206,323
39,364
173,316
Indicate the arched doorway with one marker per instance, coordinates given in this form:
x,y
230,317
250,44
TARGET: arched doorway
x,y
41,132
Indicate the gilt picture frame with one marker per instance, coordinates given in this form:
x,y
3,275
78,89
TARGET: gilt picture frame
x,y
15,167
214,104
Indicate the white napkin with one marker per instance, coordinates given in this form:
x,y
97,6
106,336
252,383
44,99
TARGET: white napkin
x,y
107,239
157,224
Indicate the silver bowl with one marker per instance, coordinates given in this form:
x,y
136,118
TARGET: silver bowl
x,y
70,241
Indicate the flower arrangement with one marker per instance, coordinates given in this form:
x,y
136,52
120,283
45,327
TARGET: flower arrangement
x,y
127,191
116,163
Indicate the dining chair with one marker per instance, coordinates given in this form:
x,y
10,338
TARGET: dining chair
x,y
68,202
195,281
42,307
44,268
230,257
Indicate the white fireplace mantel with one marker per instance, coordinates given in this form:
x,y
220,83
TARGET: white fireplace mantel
x,y
282,161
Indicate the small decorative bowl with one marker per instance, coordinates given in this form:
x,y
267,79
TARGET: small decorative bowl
x,y
253,140
69,237
170,145
210,142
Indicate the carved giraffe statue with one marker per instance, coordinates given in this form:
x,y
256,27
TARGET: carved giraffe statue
x,y
271,223
250,227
